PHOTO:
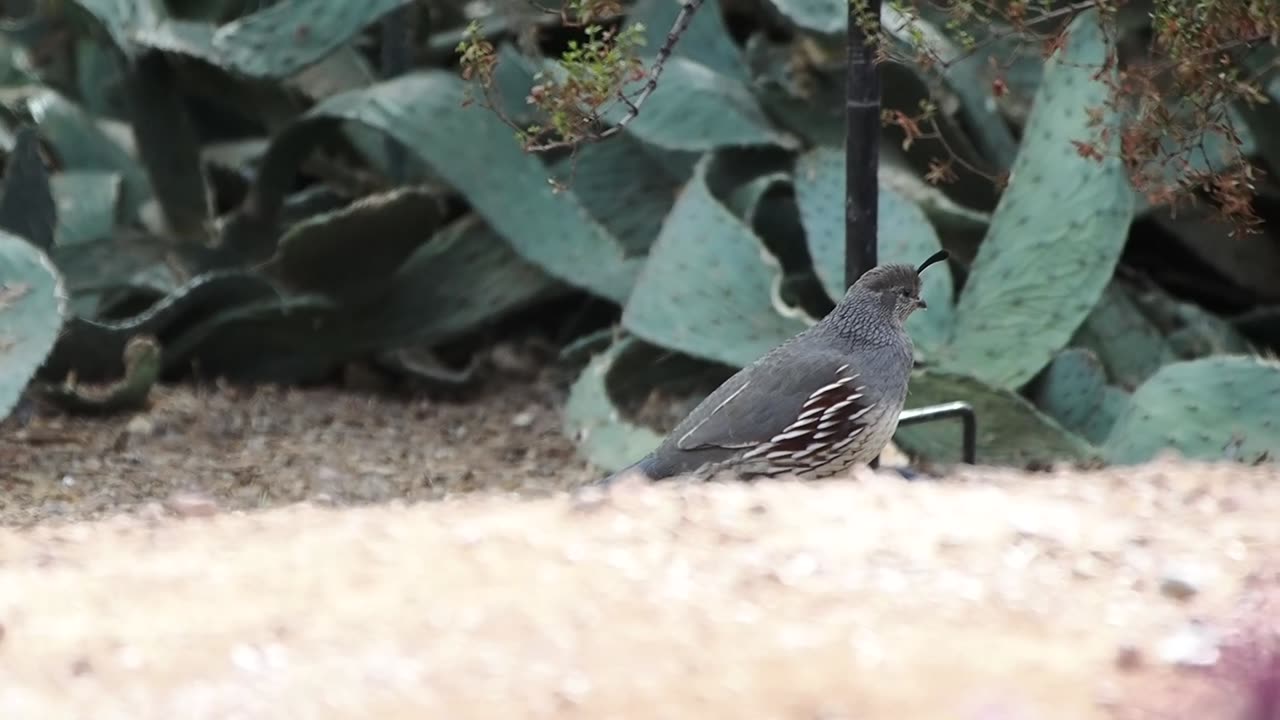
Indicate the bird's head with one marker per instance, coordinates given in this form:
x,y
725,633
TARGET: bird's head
x,y
892,290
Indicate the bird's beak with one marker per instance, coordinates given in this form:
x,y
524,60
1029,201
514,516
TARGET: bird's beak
x,y
920,303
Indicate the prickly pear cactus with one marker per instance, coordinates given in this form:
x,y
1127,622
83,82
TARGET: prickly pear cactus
x,y
141,371
319,254
1058,229
26,202
32,304
601,434
709,288
1129,345
282,39
1214,408
424,112
696,109
706,40
1074,391
1011,431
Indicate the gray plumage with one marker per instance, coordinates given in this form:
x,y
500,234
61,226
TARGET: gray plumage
x,y
825,399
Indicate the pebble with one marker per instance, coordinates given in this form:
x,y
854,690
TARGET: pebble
x,y
1193,646
140,425
1128,657
1180,582
191,505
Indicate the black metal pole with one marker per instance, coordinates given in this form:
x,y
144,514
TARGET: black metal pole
x,y
862,144
862,187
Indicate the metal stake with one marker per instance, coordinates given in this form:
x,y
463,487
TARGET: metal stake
x,y
862,159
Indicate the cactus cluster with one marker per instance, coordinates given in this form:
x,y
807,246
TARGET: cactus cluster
x,y
253,191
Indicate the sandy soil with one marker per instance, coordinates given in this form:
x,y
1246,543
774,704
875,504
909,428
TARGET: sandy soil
x,y
323,554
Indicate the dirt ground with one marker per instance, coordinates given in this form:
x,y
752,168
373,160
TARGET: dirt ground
x,y
269,554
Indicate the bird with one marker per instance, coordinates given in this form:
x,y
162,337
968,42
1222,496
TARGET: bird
x,y
823,400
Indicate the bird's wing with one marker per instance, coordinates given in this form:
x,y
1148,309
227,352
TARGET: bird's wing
x,y
807,405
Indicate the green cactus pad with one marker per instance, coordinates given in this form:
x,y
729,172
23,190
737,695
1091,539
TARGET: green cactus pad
x,y
625,189
1129,345
88,205
286,37
706,41
1212,408
169,148
82,145
350,253
465,277
631,393
707,288
280,339
822,16
27,208
1058,230
1073,390
696,109
905,237
593,421
1192,331
944,213
93,348
1011,431
121,19
745,200
32,306
807,101
476,154
1114,404
124,263
141,371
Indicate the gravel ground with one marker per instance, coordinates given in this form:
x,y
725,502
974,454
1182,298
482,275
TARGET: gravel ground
x,y
265,555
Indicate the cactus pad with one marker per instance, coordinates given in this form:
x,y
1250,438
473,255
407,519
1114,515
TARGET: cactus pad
x,y
709,287
1213,408
1123,338
1011,431
1074,391
141,371
625,189
27,207
464,277
350,253
593,420
88,205
476,154
82,145
827,17
286,37
1058,229
706,41
31,312
697,109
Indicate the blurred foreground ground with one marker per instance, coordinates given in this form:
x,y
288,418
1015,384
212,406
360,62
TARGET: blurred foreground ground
x,y
162,566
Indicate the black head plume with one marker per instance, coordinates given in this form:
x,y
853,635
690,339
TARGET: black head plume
x,y
934,258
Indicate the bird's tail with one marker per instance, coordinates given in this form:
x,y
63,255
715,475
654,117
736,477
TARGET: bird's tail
x,y
634,468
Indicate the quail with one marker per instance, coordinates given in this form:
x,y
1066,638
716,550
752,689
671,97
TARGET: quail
x,y
823,400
